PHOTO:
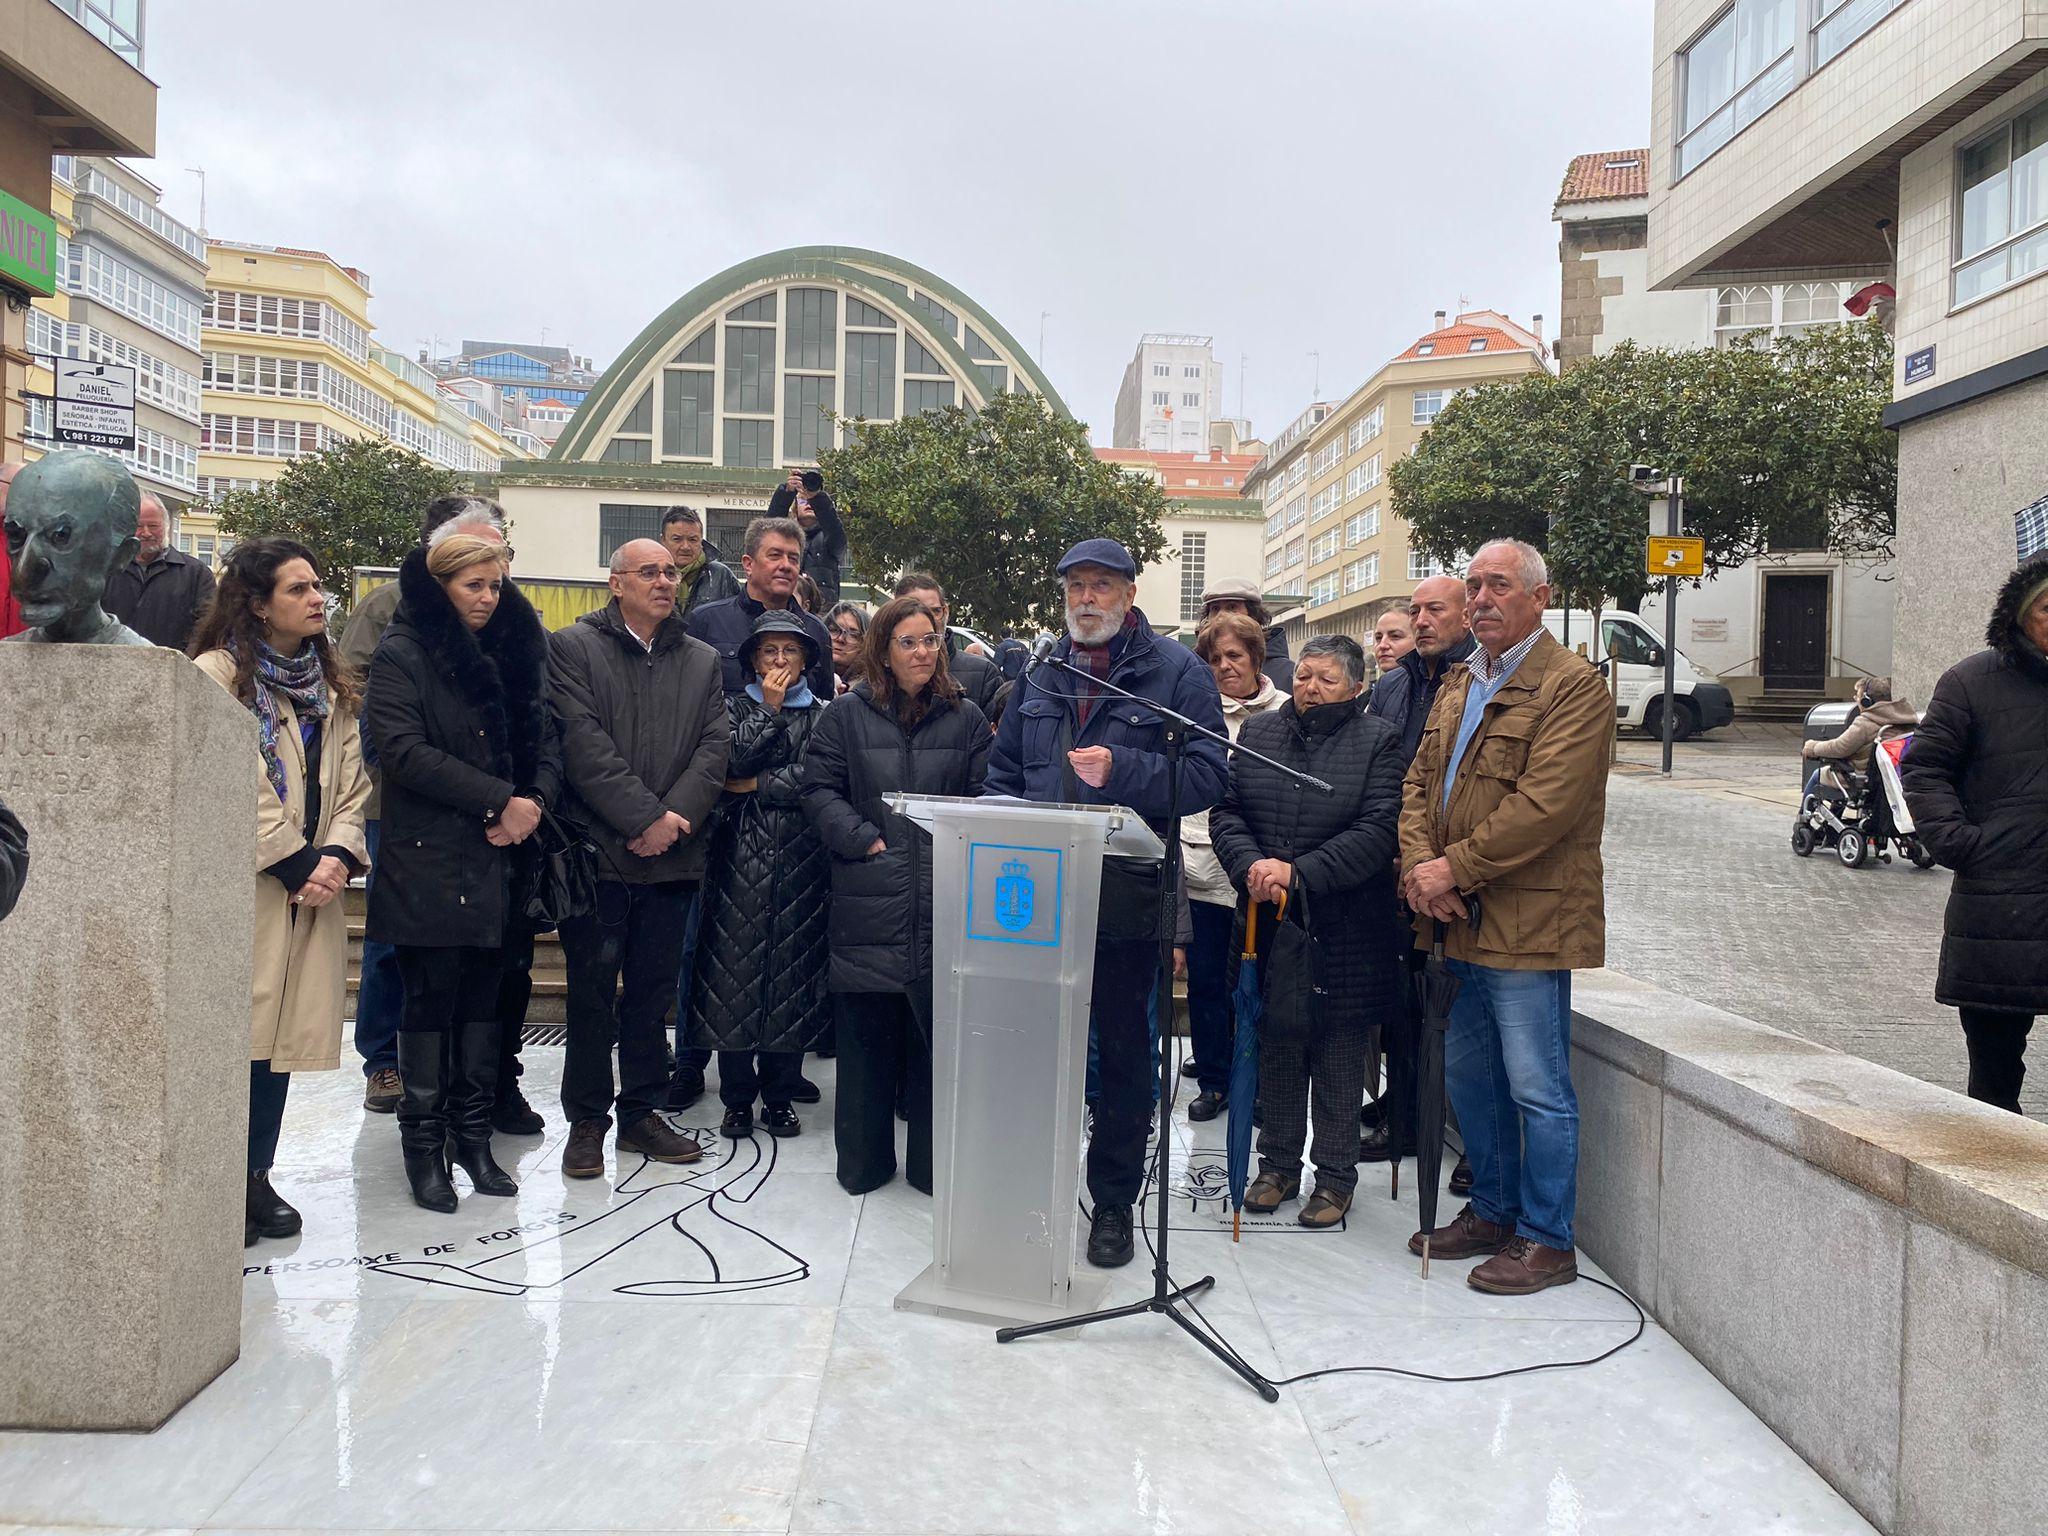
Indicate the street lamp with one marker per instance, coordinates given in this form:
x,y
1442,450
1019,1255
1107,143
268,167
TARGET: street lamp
x,y
1655,483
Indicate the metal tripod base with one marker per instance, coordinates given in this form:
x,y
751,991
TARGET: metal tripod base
x,y
1161,1302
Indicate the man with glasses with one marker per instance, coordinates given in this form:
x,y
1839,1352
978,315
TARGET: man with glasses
x,y
1064,739
702,576
644,739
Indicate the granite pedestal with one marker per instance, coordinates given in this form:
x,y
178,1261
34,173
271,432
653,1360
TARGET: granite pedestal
x,y
124,1034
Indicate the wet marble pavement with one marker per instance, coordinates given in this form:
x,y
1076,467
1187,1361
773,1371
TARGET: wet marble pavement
x,y
714,1348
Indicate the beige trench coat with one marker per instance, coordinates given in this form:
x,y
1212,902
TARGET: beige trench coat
x,y
302,965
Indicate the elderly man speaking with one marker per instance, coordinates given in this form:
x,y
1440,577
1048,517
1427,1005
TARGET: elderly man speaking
x,y
1503,806
1067,741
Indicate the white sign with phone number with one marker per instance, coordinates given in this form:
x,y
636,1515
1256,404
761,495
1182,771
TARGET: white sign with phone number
x,y
94,404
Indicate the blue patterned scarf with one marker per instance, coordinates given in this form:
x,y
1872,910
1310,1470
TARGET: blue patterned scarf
x,y
298,678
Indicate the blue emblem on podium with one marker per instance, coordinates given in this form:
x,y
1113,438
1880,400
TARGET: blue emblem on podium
x,y
1014,890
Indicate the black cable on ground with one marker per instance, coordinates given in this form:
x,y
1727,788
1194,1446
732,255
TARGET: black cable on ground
x,y
1152,1181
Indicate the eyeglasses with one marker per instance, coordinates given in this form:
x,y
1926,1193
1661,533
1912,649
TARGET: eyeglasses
x,y
666,573
845,632
908,644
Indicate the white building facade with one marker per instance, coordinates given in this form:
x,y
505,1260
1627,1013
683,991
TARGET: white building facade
x,y
1171,393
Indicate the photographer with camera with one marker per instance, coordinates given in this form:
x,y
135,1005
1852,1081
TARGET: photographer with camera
x,y
803,497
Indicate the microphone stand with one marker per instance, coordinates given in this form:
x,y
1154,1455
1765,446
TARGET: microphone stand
x,y
1166,1296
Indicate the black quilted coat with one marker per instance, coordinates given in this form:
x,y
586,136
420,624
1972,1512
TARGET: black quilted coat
x,y
459,722
1341,845
1976,779
764,943
882,906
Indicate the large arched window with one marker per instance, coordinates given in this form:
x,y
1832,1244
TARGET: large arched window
x,y
755,369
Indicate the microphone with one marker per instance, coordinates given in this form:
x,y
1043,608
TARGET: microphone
x,y
1040,651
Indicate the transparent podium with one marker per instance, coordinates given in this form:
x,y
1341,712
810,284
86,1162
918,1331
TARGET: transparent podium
x,y
1015,891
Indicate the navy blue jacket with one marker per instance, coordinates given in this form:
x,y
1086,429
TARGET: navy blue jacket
x,y
725,626
1038,730
1404,696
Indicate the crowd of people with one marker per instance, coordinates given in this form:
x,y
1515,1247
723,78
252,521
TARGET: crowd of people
x,y
715,750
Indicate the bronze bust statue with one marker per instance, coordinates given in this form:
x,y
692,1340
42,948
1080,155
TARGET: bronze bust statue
x,y
70,525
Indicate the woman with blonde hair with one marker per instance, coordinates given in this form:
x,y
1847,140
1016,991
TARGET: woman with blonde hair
x,y
457,715
264,639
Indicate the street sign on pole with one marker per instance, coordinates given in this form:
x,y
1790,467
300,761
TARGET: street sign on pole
x,y
94,404
1673,556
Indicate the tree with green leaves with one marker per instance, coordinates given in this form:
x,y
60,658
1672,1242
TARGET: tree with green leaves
x,y
987,500
357,503
1781,446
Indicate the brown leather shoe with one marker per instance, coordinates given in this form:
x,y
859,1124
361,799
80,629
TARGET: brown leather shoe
x,y
1326,1207
1269,1192
583,1155
382,1090
1524,1267
1465,1237
651,1136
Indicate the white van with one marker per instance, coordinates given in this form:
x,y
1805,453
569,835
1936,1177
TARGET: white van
x,y
1637,653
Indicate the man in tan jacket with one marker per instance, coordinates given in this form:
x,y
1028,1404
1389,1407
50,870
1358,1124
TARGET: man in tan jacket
x,y
1501,814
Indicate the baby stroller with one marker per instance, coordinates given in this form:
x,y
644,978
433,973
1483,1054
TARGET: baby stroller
x,y
1860,815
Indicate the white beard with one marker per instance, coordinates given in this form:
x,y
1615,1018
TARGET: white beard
x,y
1096,630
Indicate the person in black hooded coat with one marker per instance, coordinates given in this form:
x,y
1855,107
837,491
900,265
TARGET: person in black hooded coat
x,y
1976,780
468,754
759,994
906,727
1334,854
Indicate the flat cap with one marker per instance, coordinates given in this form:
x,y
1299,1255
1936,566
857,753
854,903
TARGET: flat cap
x,y
1107,553
1231,589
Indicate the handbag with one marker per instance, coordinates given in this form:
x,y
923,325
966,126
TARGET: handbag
x,y
562,874
1294,992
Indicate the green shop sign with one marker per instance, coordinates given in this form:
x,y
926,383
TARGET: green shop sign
x,y
28,245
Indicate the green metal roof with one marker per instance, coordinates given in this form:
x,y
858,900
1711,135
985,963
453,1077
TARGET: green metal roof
x,y
826,263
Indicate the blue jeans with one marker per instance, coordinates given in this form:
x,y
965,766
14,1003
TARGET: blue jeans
x,y
380,998
1507,1064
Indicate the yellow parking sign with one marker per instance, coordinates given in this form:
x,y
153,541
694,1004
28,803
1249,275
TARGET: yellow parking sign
x,y
1677,556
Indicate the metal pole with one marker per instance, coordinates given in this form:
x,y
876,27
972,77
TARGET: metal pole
x,y
1672,513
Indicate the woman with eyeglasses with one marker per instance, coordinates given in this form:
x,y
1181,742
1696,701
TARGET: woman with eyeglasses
x,y
904,727
758,993
264,639
847,624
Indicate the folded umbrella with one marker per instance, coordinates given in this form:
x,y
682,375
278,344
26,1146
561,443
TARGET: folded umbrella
x,y
1249,1004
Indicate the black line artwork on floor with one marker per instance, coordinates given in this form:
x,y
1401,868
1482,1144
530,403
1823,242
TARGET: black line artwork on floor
x,y
1203,1190
700,1203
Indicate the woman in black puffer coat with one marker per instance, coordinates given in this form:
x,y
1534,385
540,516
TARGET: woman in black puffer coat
x,y
758,994
1275,834
906,727
1976,779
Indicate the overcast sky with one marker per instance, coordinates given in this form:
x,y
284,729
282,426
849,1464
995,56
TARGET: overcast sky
x,y
1287,177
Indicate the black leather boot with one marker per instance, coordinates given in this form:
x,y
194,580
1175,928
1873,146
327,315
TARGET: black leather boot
x,y
266,1213
423,1118
475,1094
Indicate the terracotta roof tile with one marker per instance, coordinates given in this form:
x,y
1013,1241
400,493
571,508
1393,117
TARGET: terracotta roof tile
x,y
1610,174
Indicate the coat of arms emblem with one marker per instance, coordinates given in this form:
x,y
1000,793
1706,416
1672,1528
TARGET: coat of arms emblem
x,y
1013,896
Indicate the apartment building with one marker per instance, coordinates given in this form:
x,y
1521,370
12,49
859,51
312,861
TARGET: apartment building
x,y
1330,530
1797,622
1802,140
290,366
1212,530
1170,396
71,82
131,281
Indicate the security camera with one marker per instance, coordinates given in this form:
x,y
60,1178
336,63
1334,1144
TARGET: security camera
x,y
1644,474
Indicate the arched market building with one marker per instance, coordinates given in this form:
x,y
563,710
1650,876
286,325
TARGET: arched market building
x,y
732,384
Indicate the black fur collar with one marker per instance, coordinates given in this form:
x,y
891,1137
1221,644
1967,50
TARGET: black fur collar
x,y
502,671
2002,634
